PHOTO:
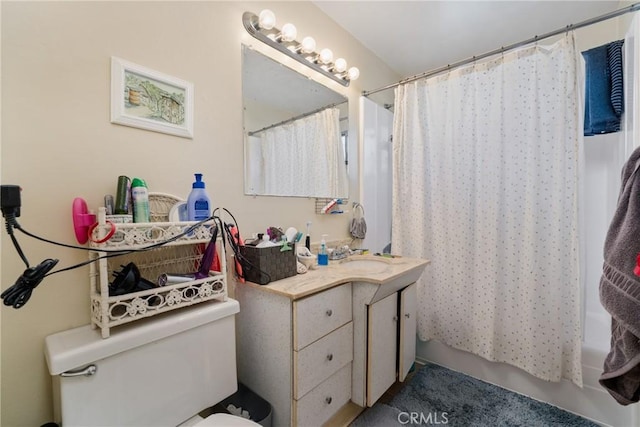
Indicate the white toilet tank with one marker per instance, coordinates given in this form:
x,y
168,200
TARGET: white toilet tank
x,y
158,371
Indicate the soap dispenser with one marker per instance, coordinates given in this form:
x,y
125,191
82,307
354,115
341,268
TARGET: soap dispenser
x,y
323,256
198,202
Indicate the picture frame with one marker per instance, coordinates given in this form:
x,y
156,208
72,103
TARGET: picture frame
x,y
148,99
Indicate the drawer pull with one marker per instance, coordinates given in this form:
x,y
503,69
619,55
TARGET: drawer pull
x,y
329,312
328,400
329,357
395,318
407,315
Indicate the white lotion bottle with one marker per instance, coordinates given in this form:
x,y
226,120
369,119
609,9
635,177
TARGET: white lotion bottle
x,y
198,202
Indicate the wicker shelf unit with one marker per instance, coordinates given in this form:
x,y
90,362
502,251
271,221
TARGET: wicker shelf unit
x,y
179,256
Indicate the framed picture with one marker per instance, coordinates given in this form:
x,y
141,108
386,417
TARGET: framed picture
x,y
151,100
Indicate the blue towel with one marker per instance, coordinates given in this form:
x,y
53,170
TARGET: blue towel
x,y
604,94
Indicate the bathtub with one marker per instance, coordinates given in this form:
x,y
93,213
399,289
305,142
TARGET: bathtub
x,y
591,402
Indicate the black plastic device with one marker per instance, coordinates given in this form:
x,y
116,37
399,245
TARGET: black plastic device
x,y
10,200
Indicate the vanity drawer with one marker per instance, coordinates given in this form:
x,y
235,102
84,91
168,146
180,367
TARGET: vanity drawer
x,y
317,315
325,400
318,361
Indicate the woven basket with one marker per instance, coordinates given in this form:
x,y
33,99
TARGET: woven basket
x,y
160,204
276,264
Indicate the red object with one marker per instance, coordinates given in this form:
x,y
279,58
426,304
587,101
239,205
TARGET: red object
x,y
636,270
105,238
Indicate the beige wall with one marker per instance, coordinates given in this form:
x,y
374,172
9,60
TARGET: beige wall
x,y
58,143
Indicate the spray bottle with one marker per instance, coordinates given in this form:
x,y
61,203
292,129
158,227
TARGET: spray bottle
x,y
140,200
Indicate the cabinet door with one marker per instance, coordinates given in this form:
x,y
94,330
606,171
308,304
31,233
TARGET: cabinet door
x,y
382,336
407,346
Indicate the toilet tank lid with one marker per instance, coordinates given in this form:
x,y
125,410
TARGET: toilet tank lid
x,y
75,348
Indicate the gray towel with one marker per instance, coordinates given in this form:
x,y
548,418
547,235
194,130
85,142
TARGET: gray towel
x,y
620,289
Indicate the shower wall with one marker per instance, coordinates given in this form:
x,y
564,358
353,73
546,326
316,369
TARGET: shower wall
x,y
603,158
375,191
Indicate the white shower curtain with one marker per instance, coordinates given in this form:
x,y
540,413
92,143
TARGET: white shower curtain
x,y
305,157
485,185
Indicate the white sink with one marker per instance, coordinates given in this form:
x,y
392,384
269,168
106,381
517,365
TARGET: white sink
x,y
365,265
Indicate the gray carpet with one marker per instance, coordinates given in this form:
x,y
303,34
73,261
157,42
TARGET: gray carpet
x,y
439,396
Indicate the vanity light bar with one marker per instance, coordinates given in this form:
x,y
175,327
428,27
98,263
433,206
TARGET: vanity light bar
x,y
263,28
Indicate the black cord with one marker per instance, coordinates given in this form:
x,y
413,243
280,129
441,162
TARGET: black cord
x,y
226,232
19,293
10,223
122,251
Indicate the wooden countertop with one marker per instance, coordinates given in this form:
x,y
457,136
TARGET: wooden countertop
x,y
338,272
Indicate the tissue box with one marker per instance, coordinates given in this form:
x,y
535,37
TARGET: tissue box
x,y
264,265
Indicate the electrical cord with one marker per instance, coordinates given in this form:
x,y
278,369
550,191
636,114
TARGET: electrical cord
x,y
120,251
19,293
10,223
225,230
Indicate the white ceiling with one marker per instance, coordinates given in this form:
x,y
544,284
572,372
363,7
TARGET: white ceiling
x,y
417,36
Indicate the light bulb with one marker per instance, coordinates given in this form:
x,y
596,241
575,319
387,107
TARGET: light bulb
x,y
353,73
340,65
288,32
267,19
326,56
308,45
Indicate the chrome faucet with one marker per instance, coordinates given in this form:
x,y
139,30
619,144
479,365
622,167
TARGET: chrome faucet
x,y
339,253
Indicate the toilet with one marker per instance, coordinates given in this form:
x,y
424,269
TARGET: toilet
x,y
158,371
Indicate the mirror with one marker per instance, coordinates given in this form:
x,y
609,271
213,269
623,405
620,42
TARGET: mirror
x,y
295,132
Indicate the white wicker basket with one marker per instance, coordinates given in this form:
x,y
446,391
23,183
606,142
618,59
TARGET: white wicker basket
x,y
160,204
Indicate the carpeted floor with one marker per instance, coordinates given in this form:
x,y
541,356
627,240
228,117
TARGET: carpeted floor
x,y
438,396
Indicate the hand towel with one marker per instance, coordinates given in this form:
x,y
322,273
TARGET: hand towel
x,y
620,289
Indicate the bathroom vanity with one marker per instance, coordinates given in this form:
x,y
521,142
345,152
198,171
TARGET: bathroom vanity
x,y
323,345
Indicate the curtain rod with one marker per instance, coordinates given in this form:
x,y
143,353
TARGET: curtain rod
x,y
634,7
293,119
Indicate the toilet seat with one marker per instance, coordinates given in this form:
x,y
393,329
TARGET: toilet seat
x,y
226,420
